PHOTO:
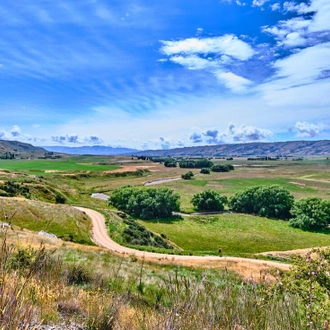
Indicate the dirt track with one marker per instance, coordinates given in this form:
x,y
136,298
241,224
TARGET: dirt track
x,y
247,266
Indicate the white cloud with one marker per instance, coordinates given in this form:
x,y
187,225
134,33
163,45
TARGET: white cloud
x,y
191,53
234,82
307,130
233,133
15,131
294,39
298,78
245,133
275,7
258,3
228,44
193,62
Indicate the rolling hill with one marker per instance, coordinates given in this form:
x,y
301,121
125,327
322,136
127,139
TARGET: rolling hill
x,y
18,150
290,148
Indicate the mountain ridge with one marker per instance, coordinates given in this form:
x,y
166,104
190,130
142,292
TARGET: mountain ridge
x,y
287,148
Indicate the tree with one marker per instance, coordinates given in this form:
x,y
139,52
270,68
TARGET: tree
x,y
200,163
222,168
311,213
270,202
187,176
205,170
170,162
145,203
209,200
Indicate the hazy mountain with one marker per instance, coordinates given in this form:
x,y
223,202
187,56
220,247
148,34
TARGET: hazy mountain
x,y
91,150
294,148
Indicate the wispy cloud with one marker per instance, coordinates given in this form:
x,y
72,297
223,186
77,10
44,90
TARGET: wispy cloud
x,y
216,55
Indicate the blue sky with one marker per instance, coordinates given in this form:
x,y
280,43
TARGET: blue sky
x,y
164,74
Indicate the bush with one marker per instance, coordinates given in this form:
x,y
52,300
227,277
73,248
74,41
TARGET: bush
x,y
209,200
205,170
187,176
270,202
222,168
137,234
60,199
200,163
311,213
170,162
145,203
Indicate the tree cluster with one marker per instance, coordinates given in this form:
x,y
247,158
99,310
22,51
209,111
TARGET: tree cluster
x,y
270,202
145,203
222,168
209,200
170,162
200,163
311,213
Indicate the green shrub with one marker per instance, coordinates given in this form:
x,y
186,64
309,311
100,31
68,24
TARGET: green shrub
x,y
145,203
187,176
270,202
209,200
311,213
205,171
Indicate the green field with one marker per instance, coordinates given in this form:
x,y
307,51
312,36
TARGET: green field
x,y
60,165
237,234
61,220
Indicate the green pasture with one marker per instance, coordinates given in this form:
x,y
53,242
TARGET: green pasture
x,y
58,165
237,234
61,220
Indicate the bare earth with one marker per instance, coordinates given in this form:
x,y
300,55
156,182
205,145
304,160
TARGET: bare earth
x,y
248,268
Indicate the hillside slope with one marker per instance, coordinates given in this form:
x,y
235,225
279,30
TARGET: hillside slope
x,y
16,149
290,148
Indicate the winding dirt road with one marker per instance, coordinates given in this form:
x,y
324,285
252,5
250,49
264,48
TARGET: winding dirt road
x,y
100,237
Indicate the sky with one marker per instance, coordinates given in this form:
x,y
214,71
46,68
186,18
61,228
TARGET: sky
x,y
164,74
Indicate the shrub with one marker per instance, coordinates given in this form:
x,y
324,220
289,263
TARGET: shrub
x,y
170,162
205,170
209,200
222,168
270,202
145,203
311,213
187,176
200,163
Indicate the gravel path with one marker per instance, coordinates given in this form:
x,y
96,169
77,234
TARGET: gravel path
x,y
100,237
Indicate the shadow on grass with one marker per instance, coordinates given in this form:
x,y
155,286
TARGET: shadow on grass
x,y
169,220
325,231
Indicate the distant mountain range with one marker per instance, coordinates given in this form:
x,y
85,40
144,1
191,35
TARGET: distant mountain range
x,y
290,148
91,150
16,149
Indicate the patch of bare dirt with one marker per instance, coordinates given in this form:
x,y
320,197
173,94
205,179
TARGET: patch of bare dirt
x,y
133,168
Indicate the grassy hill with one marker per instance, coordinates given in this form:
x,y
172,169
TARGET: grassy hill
x,y
18,150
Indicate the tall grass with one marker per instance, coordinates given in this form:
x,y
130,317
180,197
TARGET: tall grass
x,y
38,287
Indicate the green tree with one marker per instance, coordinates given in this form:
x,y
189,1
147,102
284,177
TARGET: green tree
x,y
270,202
209,200
205,170
311,213
145,203
170,162
187,176
222,168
